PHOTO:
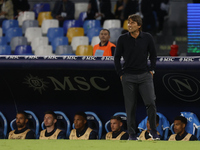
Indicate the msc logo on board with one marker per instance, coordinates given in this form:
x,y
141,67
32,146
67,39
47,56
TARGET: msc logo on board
x,y
182,86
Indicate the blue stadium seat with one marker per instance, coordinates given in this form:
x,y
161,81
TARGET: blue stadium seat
x,y
7,24
3,126
193,124
33,123
93,32
70,23
90,24
94,123
3,40
63,123
23,50
5,50
54,32
13,32
124,120
59,41
41,7
163,127
82,17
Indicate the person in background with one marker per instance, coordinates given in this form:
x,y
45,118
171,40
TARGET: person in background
x,y
145,134
63,10
20,6
180,123
100,10
51,132
105,46
82,131
117,133
124,8
6,10
22,131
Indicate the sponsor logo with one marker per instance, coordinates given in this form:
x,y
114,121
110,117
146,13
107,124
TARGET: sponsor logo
x,y
89,58
36,83
182,86
68,83
166,59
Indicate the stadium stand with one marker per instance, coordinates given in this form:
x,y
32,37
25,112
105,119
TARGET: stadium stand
x,y
93,32
52,33
39,41
79,40
84,50
33,32
26,15
41,7
44,50
112,23
75,31
43,16
59,41
64,50
13,32
18,40
7,24
5,50
88,24
49,23
29,23
70,23
80,7
23,50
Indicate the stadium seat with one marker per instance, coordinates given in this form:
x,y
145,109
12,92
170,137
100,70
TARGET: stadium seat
x,y
3,125
33,123
84,50
95,40
82,17
1,32
125,25
44,50
123,117
32,33
29,23
94,123
43,16
70,23
63,123
163,127
75,31
93,32
193,124
112,23
59,41
26,15
80,7
49,23
3,40
88,24
41,7
79,40
64,50
23,50
13,32
7,24
52,33
5,50
18,40
39,41
114,34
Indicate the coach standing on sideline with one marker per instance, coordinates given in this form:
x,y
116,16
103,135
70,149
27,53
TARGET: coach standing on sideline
x,y
135,74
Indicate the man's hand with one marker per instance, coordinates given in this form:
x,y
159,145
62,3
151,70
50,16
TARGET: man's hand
x,y
121,78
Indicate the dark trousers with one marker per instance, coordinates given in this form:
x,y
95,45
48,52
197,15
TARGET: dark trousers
x,y
142,83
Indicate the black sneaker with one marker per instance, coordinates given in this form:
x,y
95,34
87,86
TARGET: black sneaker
x,y
154,135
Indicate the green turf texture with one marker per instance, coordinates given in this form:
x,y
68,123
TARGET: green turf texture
x,y
97,145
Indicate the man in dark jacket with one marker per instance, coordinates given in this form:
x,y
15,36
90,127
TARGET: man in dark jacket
x,y
63,10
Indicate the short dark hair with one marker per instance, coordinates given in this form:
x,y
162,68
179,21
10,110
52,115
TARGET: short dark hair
x,y
81,113
182,119
51,113
137,19
105,30
23,113
157,119
116,117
